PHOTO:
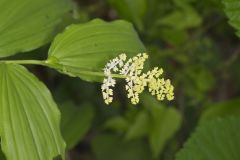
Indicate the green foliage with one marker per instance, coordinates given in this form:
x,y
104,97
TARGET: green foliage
x,y
76,121
218,139
85,48
117,124
29,117
232,9
154,121
27,24
163,124
140,126
185,17
190,39
81,50
132,10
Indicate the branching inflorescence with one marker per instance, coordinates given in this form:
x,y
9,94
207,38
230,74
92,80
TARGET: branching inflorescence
x,y
132,71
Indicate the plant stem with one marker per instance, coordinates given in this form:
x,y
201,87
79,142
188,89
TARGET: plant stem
x,y
101,74
36,62
46,63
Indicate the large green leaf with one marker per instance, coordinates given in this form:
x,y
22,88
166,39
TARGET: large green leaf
x,y
232,9
28,24
76,121
29,117
218,139
87,47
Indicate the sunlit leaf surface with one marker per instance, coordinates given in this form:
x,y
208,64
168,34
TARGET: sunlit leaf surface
x,y
29,117
87,47
27,24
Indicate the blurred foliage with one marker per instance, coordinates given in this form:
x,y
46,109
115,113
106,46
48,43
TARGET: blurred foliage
x,y
194,43
71,114
199,50
109,146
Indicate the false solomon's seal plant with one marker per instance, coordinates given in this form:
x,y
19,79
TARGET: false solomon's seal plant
x,y
29,116
131,70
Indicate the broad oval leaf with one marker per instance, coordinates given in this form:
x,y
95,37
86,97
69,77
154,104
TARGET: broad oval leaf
x,y
87,47
232,9
218,139
27,24
29,118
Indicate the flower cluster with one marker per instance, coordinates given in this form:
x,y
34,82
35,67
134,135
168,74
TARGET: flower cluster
x,y
136,80
108,82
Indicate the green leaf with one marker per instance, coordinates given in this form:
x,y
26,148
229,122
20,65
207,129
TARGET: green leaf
x,y
164,123
132,10
87,47
140,126
221,109
76,121
218,139
109,147
29,117
232,9
27,24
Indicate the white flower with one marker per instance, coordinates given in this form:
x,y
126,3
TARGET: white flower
x,y
136,80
